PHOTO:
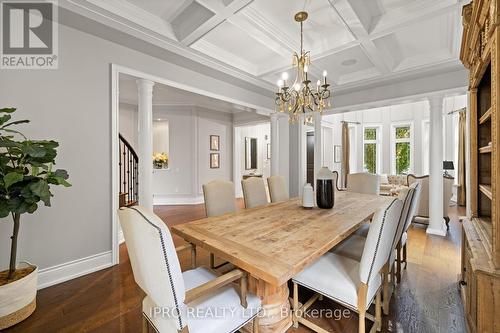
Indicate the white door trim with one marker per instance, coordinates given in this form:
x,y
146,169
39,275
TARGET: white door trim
x,y
116,70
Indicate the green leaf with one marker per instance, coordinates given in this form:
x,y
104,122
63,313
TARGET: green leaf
x,y
62,181
42,190
34,150
17,122
5,118
8,110
61,173
4,208
12,178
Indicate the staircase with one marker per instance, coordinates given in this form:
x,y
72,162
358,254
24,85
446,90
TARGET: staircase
x,y
129,175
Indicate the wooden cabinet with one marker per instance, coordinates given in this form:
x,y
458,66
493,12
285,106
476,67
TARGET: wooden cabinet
x,y
480,278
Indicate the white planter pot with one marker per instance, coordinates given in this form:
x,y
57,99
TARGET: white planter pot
x,y
18,299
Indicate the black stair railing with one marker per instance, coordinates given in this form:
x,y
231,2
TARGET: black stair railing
x,y
129,173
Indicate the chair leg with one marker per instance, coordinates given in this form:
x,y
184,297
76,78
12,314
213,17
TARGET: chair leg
x,y
378,312
145,327
405,254
256,325
386,291
362,315
193,256
295,318
398,263
212,261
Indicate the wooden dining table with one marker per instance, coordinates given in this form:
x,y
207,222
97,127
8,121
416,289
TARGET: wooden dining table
x,y
273,243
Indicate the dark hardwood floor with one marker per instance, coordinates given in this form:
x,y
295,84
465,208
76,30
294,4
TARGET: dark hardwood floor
x,y
426,301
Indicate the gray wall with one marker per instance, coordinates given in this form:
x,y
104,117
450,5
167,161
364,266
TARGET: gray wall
x,y
72,105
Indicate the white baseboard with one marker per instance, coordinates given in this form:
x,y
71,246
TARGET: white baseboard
x,y
177,200
60,273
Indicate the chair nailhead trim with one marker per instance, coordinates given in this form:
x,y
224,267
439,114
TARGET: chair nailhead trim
x,y
166,263
378,240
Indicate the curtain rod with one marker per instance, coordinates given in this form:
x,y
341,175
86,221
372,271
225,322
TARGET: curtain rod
x,y
351,122
459,110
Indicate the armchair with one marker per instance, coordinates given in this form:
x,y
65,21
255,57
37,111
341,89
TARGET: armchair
x,y
170,293
422,214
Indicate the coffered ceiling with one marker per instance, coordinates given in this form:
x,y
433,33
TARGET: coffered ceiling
x,y
358,42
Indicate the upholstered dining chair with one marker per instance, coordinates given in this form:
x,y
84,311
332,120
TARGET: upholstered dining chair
x,y
277,188
219,198
354,284
363,183
353,246
402,246
170,292
422,214
254,192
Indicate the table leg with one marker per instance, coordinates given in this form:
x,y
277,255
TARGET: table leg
x,y
276,314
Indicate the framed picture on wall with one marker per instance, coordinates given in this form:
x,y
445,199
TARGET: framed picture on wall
x,y
268,151
214,160
337,153
214,142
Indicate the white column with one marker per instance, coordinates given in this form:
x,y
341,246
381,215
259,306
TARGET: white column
x,y
318,144
275,157
145,142
436,220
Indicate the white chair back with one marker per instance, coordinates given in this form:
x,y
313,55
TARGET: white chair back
x,y
219,197
415,202
378,243
363,183
277,188
254,192
154,260
406,195
423,207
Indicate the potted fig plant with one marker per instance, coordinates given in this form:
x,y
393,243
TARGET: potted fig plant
x,y
26,178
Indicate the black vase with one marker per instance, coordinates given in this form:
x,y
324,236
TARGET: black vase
x,y
324,193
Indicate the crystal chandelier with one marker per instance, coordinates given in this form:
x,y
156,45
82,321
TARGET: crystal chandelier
x,y
300,99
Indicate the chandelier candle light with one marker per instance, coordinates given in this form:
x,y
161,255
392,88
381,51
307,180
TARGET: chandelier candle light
x,y
299,99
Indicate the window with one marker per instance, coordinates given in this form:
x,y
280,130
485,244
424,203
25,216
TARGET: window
x,y
371,149
402,149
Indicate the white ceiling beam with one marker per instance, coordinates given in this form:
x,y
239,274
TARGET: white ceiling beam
x,y
353,23
221,13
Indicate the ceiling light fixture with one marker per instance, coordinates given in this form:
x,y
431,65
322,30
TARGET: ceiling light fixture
x,y
299,99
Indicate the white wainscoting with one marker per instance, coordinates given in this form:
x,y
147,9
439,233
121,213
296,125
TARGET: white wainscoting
x,y
70,270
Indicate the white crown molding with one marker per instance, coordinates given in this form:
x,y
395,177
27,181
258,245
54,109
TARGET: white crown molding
x,y
137,15
70,270
402,75
185,105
